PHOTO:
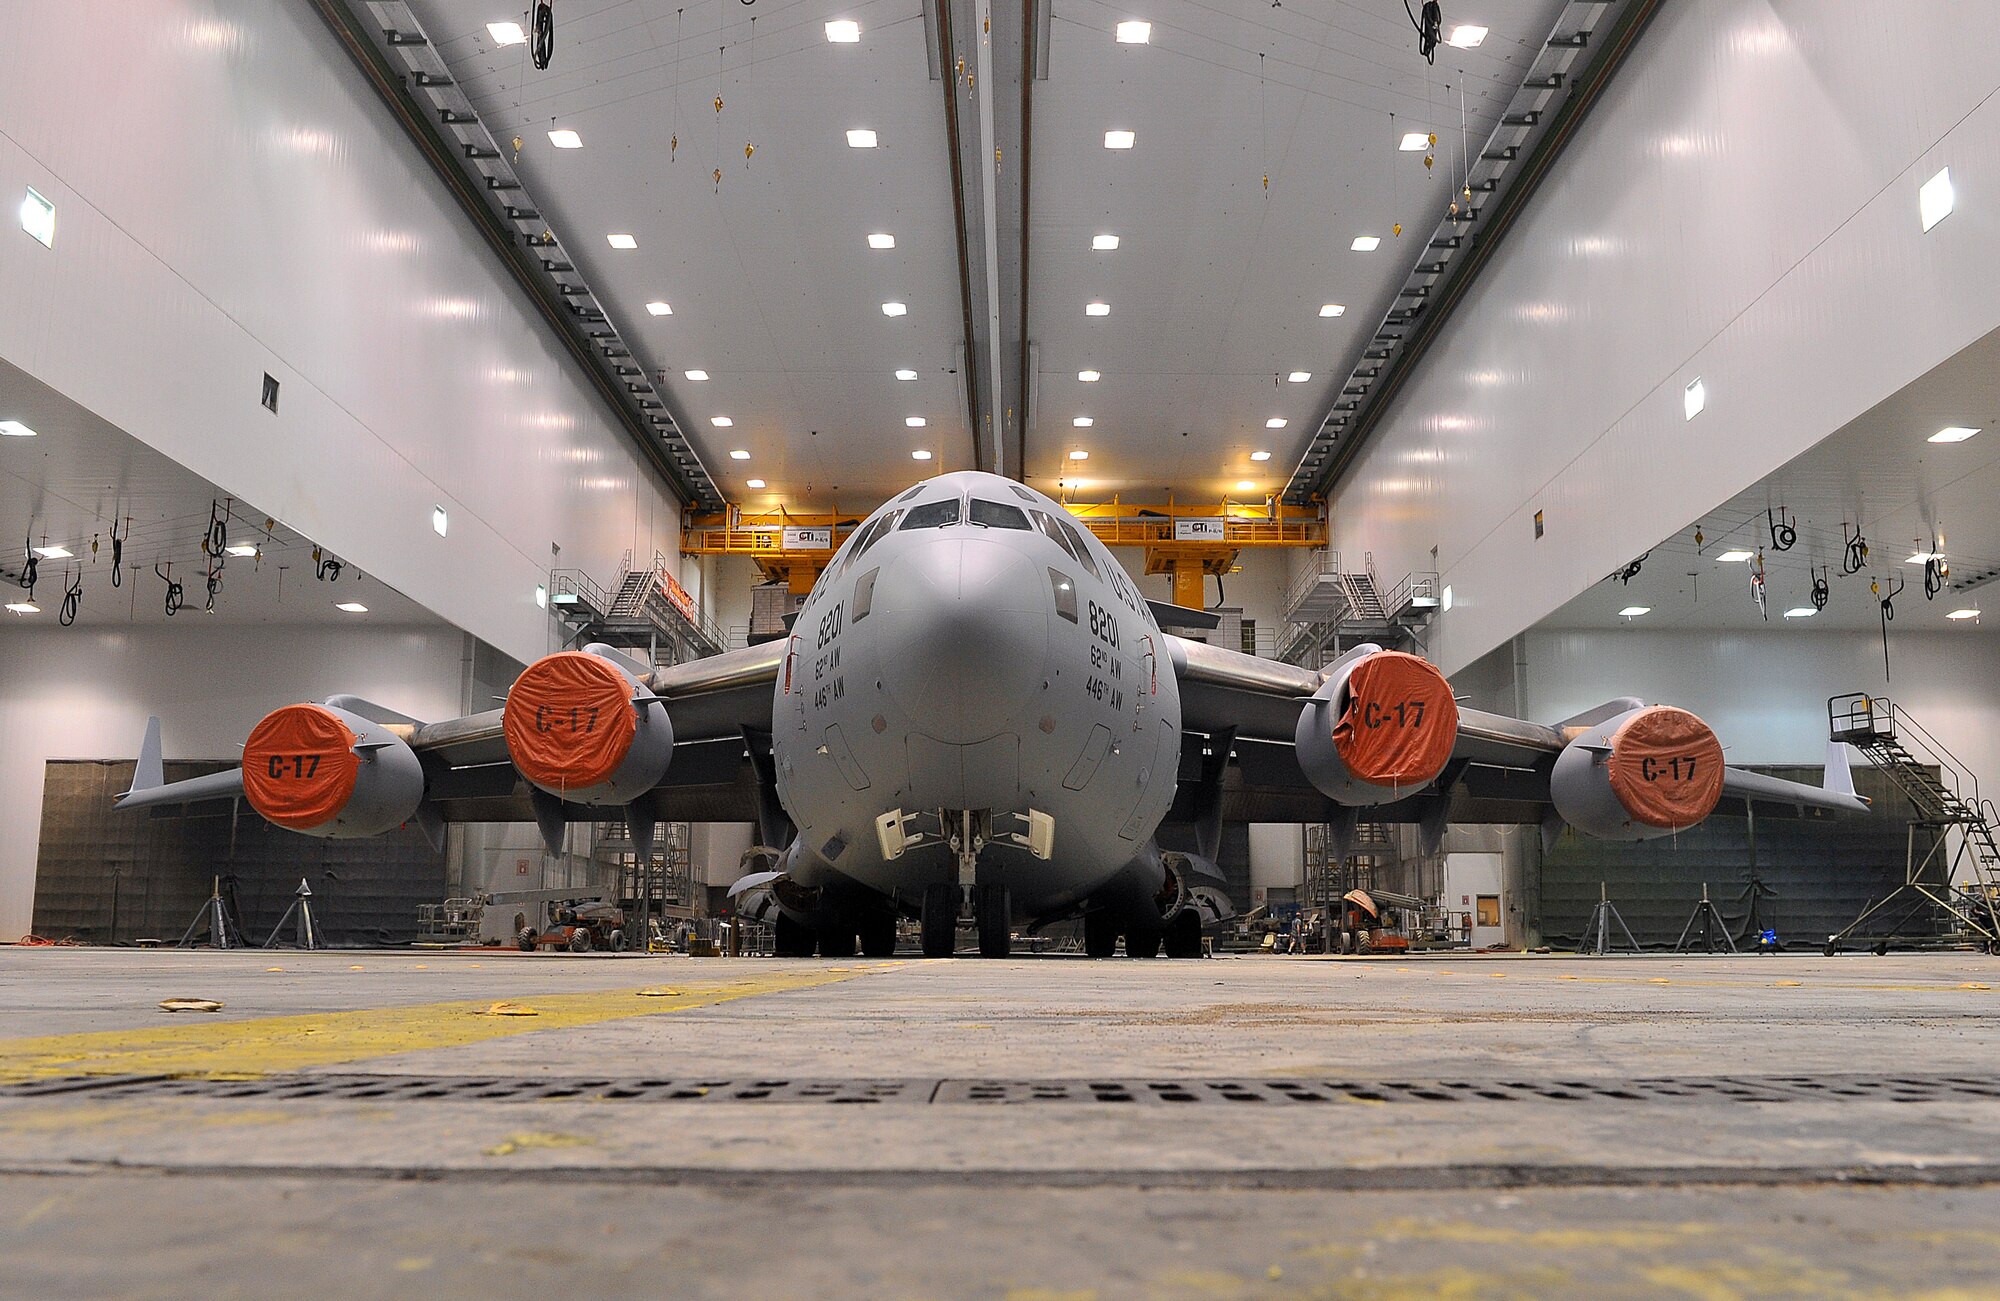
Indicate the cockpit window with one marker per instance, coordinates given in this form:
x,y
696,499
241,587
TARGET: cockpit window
x,y
998,515
1065,594
875,532
1051,531
932,514
1021,492
911,493
1079,546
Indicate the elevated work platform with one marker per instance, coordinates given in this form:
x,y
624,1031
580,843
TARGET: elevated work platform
x,y
648,610
1330,602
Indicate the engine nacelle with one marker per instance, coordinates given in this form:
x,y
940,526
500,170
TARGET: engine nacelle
x,y
327,772
583,729
1380,728
1646,773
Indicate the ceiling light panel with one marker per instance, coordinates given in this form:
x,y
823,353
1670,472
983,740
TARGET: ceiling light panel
x,y
881,239
698,376
1083,422
1951,434
564,138
1413,142
1097,309
843,31
1260,455
1134,31
1103,243
1120,139
1466,36
352,607
721,422
860,138
1936,199
1366,243
1298,376
1634,611
507,33
915,422
739,454
906,374
15,429
659,309
1732,556
895,309
622,241
753,483
921,454
1333,309
1088,376
1275,422
53,553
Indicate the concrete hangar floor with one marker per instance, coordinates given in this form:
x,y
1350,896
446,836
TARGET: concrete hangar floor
x,y
363,1124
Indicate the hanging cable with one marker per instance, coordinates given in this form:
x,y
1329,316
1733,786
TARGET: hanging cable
x,y
1783,532
30,566
1631,571
118,552
175,597
217,536
1429,26
325,567
543,47
1822,590
1854,558
1936,571
72,600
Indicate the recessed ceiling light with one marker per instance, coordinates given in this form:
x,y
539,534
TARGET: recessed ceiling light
x,y
564,138
906,374
1079,455
1924,557
1634,611
38,218
1951,434
1260,455
1935,199
1413,141
1103,243
721,422
921,454
1097,309
1299,376
659,309
241,549
440,521
1465,36
352,607
1083,422
698,376
1134,31
861,138
1332,309
881,239
29,607
1801,612
915,422
507,33
1119,139
54,553
1729,557
1088,376
622,241
15,429
738,454
1245,485
894,309
1275,422
1693,398
845,31
1366,243
1955,614
753,483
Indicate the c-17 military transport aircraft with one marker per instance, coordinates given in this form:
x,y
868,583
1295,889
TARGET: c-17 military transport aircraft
x,y
977,714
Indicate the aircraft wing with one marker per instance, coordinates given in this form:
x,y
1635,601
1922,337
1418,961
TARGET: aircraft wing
x,y
1498,769
720,708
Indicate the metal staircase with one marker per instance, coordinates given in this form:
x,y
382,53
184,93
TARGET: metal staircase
x,y
1364,599
1957,874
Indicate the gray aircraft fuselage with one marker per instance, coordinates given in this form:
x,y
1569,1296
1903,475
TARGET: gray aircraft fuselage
x,y
972,651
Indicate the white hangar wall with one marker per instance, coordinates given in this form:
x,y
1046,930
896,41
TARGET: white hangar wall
x,y
232,200
1740,206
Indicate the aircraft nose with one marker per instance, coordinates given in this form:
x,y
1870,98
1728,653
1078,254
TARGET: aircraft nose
x,y
969,637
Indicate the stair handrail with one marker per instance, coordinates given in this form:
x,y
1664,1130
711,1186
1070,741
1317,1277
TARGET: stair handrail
x,y
1947,762
1322,562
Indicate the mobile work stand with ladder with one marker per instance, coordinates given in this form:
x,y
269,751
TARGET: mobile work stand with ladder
x,y
1957,872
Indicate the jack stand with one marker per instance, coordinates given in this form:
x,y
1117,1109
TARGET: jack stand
x,y
1597,931
212,916
1711,923
308,934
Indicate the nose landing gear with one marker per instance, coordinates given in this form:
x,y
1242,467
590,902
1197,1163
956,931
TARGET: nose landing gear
x,y
939,919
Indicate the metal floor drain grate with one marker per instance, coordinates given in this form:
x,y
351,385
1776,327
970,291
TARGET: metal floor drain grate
x,y
977,1092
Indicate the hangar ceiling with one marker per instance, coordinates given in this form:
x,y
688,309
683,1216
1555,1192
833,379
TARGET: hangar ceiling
x,y
1907,495
78,473
1214,290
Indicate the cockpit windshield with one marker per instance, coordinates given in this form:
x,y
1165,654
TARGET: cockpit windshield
x,y
998,515
932,514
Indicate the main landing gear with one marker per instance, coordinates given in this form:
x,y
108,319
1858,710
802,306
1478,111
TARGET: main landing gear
x,y
992,908
938,919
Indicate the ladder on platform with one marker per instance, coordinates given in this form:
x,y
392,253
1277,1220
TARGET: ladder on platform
x,y
1951,816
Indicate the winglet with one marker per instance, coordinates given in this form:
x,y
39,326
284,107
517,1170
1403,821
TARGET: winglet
x,y
1839,777
151,769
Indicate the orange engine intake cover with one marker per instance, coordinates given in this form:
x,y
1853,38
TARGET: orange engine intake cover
x,y
569,720
1666,767
1400,722
299,766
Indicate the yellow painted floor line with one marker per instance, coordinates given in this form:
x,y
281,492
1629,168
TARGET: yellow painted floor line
x,y
265,1045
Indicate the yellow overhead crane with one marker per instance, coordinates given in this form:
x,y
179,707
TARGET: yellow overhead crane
x,y
1183,540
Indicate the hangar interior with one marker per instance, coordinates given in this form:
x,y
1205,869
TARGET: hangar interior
x,y
385,351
